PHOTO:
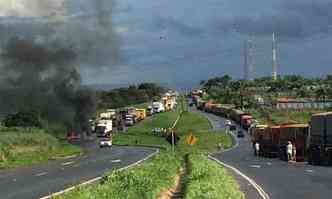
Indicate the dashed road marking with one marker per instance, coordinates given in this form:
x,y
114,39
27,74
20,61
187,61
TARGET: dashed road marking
x,y
70,156
309,170
269,163
99,178
256,166
115,161
41,174
67,163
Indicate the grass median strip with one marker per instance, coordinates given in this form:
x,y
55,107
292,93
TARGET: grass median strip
x,y
208,180
157,175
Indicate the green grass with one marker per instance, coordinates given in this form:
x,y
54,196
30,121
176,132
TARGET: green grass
x,y
156,175
210,181
275,117
20,147
145,181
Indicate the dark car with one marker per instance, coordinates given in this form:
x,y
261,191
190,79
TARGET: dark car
x,y
240,134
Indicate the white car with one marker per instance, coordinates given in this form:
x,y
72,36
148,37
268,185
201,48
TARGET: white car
x,y
105,143
228,123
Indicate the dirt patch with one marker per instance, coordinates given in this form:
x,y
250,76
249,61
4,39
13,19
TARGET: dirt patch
x,y
169,193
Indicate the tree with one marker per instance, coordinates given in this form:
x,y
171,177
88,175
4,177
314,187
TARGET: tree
x,y
22,119
321,93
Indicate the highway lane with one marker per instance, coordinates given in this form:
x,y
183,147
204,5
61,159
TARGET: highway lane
x,y
40,180
281,180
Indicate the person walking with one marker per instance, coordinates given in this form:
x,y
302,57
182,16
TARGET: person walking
x,y
257,149
289,150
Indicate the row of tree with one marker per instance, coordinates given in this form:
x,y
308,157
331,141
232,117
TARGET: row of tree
x,y
131,95
242,92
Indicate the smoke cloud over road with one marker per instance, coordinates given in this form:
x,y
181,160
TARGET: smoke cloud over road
x,y
44,46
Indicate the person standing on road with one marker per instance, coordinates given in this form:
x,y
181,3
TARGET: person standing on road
x,y
294,153
256,149
289,150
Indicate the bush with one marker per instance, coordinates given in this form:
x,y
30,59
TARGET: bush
x,y
22,119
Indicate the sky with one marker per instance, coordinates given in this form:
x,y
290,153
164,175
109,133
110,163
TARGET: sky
x,y
183,42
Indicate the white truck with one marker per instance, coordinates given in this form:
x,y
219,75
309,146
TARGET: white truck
x,y
158,107
108,115
104,128
129,121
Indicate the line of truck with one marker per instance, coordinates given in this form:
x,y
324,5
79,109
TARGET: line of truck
x,y
313,141
106,121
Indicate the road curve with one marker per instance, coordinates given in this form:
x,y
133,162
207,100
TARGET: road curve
x,y
41,180
281,180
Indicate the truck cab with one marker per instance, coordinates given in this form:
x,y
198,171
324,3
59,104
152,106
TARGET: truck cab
x,y
129,121
158,107
149,111
104,128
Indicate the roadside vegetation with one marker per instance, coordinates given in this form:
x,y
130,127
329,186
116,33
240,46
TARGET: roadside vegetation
x,y
155,177
275,117
26,146
208,180
242,93
132,95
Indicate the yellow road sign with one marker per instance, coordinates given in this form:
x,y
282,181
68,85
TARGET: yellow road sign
x,y
191,139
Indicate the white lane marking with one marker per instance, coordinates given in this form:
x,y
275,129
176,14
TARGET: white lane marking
x,y
269,163
259,189
256,166
41,174
70,156
309,170
176,122
98,178
67,163
116,161
14,180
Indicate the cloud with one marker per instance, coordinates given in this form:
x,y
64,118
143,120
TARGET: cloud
x,y
291,20
171,24
83,25
30,8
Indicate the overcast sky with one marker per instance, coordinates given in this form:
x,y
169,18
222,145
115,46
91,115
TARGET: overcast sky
x,y
182,42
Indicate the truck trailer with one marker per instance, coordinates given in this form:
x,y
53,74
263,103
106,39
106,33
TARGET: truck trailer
x,y
320,139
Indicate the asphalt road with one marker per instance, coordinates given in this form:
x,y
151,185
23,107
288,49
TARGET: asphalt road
x,y
38,181
281,180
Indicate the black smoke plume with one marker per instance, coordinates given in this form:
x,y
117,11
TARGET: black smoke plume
x,y
43,78
44,46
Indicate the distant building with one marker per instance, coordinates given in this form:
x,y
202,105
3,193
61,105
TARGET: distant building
x,y
288,103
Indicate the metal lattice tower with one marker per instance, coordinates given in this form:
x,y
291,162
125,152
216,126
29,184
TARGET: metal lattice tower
x,y
274,58
248,59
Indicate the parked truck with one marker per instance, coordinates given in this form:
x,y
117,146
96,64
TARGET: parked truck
x,y
320,139
104,128
129,120
297,134
149,111
108,114
158,107
140,114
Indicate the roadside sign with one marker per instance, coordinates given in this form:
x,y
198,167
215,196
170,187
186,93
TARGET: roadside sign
x,y
191,139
